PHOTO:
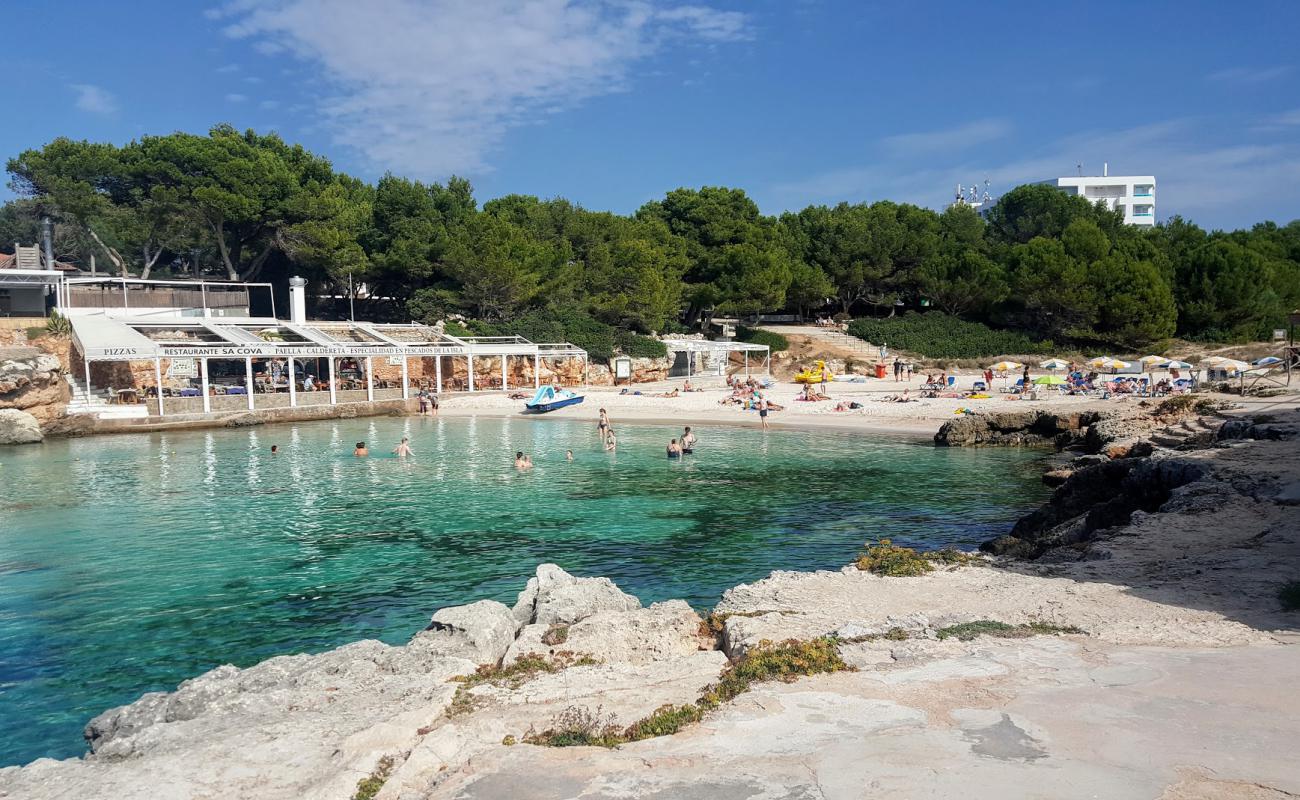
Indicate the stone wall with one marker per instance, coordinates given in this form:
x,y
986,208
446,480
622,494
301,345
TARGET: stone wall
x,y
32,381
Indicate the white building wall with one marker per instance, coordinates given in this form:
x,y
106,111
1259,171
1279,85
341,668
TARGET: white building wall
x,y
1135,195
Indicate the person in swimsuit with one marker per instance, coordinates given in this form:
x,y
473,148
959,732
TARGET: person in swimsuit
x,y
611,443
762,412
568,455
360,451
602,424
674,449
403,449
688,440
520,463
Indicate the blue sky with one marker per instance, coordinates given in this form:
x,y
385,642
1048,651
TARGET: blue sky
x,y
613,103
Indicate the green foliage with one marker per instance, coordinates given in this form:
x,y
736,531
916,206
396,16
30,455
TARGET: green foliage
x,y
787,661
967,631
370,785
58,325
1046,265
556,634
1289,596
637,346
886,558
36,333
891,560
511,676
938,335
775,341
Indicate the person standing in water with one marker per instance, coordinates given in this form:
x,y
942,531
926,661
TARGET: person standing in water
x,y
602,424
611,442
674,449
361,451
568,455
403,449
688,440
762,411
275,449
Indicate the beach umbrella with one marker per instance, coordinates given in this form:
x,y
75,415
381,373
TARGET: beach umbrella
x,y
1153,362
1100,362
1054,364
1176,364
1114,364
1006,366
1049,380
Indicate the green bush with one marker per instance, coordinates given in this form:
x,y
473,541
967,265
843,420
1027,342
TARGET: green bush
x,y
938,335
638,346
775,341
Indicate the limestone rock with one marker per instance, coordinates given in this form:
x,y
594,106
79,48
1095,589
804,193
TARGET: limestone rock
x,y
481,632
19,427
664,631
556,597
32,381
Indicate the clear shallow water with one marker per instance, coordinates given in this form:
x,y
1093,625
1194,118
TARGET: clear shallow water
x,y
129,563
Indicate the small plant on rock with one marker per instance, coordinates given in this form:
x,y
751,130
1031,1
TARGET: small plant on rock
x,y
886,558
511,676
370,785
967,631
555,635
786,661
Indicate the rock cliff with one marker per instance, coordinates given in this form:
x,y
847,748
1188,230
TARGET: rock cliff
x,y
32,381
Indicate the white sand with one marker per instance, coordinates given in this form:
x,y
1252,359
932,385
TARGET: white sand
x,y
922,417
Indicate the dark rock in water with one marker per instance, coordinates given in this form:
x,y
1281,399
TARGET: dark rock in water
x,y
1056,477
1093,498
1016,429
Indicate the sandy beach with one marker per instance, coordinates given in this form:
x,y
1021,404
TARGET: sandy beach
x,y
918,418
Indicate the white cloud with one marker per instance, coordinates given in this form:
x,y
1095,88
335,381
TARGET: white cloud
x,y
226,69
235,97
431,87
94,99
269,104
1248,75
1215,184
954,139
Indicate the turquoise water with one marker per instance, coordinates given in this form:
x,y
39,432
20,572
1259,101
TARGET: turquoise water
x,y
129,563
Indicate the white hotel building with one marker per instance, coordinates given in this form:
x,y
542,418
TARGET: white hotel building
x,y
1134,195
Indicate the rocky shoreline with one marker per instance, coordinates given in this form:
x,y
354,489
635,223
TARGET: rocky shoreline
x,y
1180,550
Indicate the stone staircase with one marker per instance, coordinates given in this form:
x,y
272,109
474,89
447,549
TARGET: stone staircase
x,y
1188,434
829,336
96,402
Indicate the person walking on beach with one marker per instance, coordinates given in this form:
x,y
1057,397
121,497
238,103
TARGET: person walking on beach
x,y
688,440
360,451
403,449
762,412
898,369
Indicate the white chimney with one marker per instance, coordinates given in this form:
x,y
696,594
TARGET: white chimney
x,y
297,300
1105,169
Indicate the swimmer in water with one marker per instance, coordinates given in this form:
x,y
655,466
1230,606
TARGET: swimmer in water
x,y
674,449
275,449
360,451
611,442
568,455
519,459
404,449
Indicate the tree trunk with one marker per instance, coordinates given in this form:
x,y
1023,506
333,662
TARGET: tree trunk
x,y
112,254
149,261
255,268
219,228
